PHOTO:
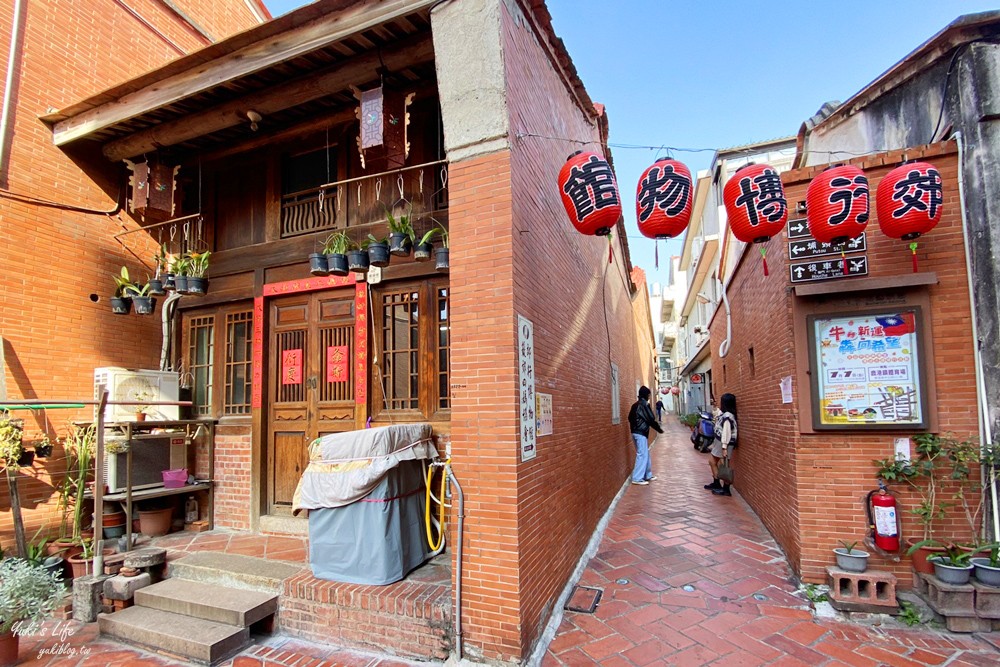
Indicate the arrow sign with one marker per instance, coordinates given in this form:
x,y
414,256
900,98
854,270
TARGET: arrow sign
x,y
811,271
810,247
798,228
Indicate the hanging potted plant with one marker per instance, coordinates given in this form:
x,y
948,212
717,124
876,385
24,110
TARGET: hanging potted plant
x,y
335,248
357,257
378,251
182,266
169,278
121,302
441,254
425,247
197,274
141,299
43,446
156,282
28,594
318,264
401,233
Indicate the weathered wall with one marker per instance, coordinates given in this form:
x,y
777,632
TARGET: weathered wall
x,y
822,478
56,260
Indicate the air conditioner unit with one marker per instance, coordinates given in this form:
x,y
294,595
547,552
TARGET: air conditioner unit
x,y
151,455
125,384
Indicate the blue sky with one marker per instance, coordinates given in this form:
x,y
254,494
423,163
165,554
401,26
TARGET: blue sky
x,y
711,75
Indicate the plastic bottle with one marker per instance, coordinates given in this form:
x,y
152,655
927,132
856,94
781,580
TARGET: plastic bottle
x,y
190,510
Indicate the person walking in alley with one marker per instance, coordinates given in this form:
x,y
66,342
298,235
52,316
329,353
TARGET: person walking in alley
x,y
724,445
659,409
640,420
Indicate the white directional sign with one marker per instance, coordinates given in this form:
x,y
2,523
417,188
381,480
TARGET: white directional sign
x,y
810,247
798,228
828,269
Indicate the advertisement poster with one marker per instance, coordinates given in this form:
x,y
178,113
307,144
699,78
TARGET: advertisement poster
x,y
526,370
543,410
867,369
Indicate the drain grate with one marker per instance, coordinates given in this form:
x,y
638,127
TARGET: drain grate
x,y
584,599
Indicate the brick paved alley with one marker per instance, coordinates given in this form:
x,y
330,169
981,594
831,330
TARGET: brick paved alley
x,y
742,611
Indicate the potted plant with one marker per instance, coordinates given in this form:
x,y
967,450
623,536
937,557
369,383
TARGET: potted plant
x,y
441,254
156,282
401,233
170,278
850,559
182,267
318,264
11,443
144,303
953,566
141,397
357,257
43,446
987,570
28,594
121,302
38,554
80,444
335,248
425,247
197,274
378,251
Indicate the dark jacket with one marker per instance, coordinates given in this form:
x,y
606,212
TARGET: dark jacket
x,y
641,419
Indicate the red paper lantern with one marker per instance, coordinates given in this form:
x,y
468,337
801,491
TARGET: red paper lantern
x,y
756,205
663,199
590,193
909,202
837,205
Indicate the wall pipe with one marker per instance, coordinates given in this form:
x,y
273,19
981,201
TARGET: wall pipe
x,y
458,560
5,113
985,428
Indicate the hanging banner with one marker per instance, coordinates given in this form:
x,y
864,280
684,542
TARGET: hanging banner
x,y
337,363
291,367
526,370
866,370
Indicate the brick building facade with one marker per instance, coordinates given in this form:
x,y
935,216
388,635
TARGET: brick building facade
x,y
807,485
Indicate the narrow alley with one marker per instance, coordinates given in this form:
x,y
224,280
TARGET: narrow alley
x,y
740,608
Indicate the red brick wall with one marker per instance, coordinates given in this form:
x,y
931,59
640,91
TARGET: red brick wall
x,y
515,253
824,477
233,477
54,260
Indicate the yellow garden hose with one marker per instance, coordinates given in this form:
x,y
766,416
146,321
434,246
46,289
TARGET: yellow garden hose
x,y
431,542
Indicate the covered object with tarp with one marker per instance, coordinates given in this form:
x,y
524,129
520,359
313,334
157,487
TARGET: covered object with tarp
x,y
365,494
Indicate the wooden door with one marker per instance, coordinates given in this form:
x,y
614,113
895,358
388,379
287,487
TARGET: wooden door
x,y
311,371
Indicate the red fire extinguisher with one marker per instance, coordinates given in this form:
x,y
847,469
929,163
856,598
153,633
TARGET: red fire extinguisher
x,y
883,520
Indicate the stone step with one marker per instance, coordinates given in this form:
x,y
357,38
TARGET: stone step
x,y
210,602
234,571
202,641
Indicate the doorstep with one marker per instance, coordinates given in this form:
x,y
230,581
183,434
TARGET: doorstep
x,y
283,525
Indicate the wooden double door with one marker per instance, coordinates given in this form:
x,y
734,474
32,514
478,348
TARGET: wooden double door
x,y
311,383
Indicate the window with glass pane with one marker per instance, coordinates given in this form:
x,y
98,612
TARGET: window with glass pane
x,y
201,348
239,350
400,340
444,348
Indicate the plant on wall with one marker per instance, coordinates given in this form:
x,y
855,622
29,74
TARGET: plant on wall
x,y
922,475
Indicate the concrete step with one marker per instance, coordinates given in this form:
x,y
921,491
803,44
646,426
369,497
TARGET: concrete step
x,y
210,602
234,571
202,641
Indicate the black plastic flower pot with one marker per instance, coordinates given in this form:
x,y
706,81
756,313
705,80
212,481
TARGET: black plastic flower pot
x,y
156,288
43,451
181,284
400,244
168,282
422,252
337,264
317,264
197,286
378,254
26,458
441,259
144,305
357,261
121,306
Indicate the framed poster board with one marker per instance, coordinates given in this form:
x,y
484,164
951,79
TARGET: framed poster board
x,y
867,370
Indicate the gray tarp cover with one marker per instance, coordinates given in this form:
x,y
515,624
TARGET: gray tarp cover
x,y
365,494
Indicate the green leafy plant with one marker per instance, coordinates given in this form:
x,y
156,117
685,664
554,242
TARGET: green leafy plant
x,y
80,445
162,260
402,224
36,548
428,236
690,419
966,458
848,546
181,266
137,291
815,593
123,284
955,555
337,243
11,442
922,475
27,593
198,264
909,614
444,234
372,239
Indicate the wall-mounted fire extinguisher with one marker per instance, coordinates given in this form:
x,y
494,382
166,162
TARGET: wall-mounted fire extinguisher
x,y
883,520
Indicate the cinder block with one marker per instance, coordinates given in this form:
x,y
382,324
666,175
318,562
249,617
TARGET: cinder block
x,y
870,591
950,599
987,601
87,597
968,624
123,588
919,583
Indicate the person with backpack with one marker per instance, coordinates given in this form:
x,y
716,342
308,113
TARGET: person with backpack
x,y
724,445
640,420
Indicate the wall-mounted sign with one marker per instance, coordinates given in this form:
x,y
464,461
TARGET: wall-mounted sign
x,y
696,378
866,370
526,371
809,247
798,228
804,272
543,414
338,364
291,366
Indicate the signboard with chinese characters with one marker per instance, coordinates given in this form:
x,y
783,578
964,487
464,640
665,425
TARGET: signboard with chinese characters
x,y
338,363
526,372
543,412
866,370
810,247
826,269
291,366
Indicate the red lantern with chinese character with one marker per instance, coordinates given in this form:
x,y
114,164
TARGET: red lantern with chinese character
x,y
663,199
756,205
590,193
837,208
909,202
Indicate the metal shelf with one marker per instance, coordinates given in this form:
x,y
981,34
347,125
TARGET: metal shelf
x,y
157,492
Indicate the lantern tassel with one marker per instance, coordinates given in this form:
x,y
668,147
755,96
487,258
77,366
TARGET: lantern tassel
x,y
843,258
763,257
611,253
913,250
656,254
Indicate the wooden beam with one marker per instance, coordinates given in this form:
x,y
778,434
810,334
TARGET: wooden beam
x,y
270,100
248,60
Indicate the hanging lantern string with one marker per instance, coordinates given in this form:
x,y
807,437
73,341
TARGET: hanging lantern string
x,y
913,251
611,252
843,258
763,258
656,254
